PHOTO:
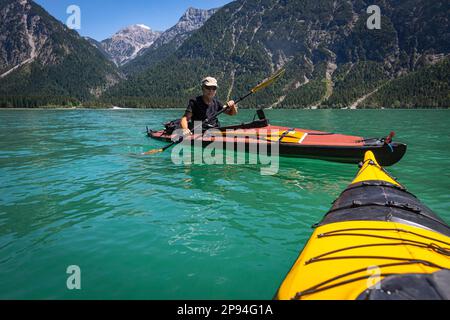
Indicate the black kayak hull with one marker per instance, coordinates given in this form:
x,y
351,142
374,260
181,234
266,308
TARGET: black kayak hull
x,y
387,156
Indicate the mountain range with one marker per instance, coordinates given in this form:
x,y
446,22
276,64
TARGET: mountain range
x,y
332,59
133,41
170,40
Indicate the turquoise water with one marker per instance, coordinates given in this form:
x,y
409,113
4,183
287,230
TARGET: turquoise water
x,y
75,191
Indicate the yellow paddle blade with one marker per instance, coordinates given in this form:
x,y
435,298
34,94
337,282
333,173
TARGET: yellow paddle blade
x,y
270,80
153,151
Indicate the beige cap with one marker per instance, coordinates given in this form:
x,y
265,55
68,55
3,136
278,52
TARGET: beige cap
x,y
209,82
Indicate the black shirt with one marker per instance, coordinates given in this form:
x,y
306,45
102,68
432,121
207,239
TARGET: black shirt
x,y
200,111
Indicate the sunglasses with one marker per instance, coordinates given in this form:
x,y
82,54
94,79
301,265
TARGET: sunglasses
x,y
210,88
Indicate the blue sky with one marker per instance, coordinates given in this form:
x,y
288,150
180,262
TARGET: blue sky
x,y
102,18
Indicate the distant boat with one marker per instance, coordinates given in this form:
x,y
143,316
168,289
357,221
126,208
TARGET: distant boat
x,y
119,108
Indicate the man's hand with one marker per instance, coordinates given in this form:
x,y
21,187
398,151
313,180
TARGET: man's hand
x,y
180,134
232,108
186,132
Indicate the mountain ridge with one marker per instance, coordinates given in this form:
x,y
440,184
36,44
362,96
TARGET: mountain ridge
x,y
40,56
332,59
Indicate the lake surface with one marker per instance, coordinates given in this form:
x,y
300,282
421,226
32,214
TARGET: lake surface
x,y
75,191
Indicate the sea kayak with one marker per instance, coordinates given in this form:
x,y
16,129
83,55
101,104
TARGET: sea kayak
x,y
303,143
377,242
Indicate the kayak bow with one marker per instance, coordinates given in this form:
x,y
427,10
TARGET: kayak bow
x,y
378,241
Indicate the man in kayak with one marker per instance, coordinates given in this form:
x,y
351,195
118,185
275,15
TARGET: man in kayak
x,y
205,107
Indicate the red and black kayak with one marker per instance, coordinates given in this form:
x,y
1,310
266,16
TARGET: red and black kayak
x,y
302,143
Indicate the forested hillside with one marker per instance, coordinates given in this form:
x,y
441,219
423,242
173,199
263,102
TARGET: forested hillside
x,y
331,57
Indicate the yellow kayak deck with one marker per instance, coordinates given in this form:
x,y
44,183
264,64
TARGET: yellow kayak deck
x,y
363,242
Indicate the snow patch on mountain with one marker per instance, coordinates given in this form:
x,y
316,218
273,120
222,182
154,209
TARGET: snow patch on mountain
x,y
143,26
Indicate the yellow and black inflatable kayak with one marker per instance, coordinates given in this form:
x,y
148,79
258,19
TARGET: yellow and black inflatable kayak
x,y
378,241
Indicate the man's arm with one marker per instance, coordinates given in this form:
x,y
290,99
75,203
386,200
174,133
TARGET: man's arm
x,y
187,117
184,123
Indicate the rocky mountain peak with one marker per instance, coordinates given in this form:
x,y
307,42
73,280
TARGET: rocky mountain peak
x,y
128,42
191,20
194,18
135,29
